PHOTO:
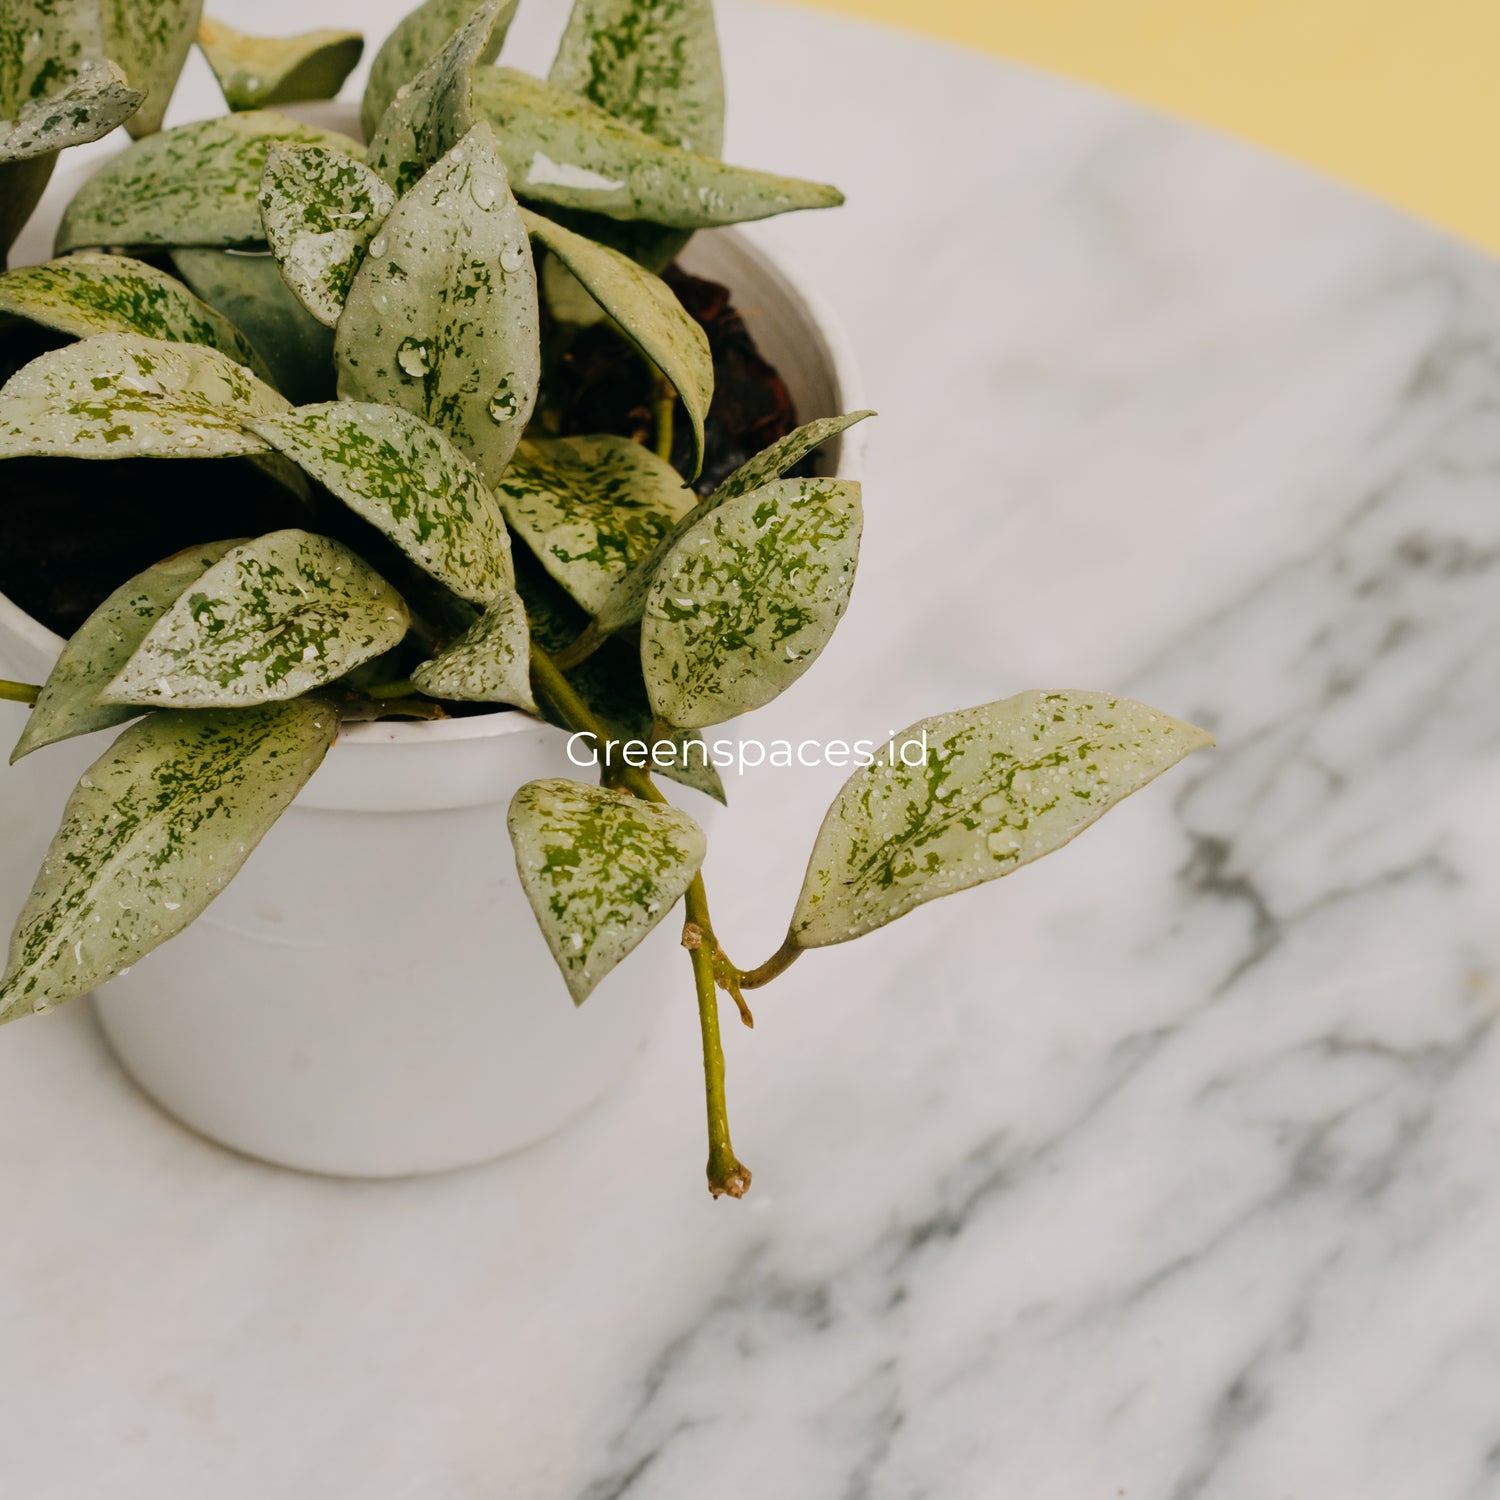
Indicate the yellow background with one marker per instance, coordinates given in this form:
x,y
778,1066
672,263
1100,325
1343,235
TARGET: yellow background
x,y
1400,97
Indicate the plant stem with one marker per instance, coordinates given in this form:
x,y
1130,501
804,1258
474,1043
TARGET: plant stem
x,y
579,651
664,409
19,692
778,963
401,689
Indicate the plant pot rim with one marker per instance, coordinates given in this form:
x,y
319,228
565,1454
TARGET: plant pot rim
x,y
839,353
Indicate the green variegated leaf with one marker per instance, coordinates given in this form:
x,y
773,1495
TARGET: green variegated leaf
x,y
431,116
249,289
748,597
652,63
22,184
321,209
195,185
150,40
85,294
589,507
782,455
627,599
561,149
600,869
102,645
255,71
157,827
442,318
118,395
647,312
992,789
90,105
274,618
414,43
407,480
489,663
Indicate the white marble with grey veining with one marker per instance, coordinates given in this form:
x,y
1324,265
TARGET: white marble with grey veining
x,y
1169,1169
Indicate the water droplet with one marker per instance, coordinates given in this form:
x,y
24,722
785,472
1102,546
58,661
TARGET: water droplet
x,y
484,189
513,259
377,245
503,404
412,357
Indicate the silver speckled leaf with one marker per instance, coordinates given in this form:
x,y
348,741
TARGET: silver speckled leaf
x,y
561,149
590,507
88,293
274,618
321,209
646,311
102,645
600,869
436,111
407,480
994,788
442,318
255,71
150,40
196,185
156,828
413,44
489,663
747,599
87,107
653,63
118,395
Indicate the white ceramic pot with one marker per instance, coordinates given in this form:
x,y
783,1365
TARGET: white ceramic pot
x,y
370,997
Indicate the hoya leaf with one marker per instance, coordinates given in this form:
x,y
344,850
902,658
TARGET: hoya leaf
x,y
407,480
248,288
600,869
627,599
156,828
782,456
276,617
90,105
589,507
196,185
118,395
85,294
22,184
993,788
150,40
647,312
561,149
102,645
255,71
652,63
414,43
489,663
442,318
747,599
435,112
321,209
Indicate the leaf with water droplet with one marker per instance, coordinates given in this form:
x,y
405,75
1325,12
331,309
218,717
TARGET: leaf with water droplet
x,y
747,599
195,185
408,480
561,149
414,43
118,395
589,507
436,112
601,869
150,40
156,828
277,617
646,311
255,71
993,788
102,645
489,663
438,279
84,294
321,209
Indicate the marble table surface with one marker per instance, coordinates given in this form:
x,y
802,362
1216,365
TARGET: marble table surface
x,y
1169,1169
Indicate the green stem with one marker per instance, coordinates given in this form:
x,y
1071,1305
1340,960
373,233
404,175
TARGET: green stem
x,y
401,689
778,963
664,409
19,692
580,650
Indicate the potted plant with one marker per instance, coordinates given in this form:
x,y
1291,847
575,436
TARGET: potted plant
x,y
504,541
